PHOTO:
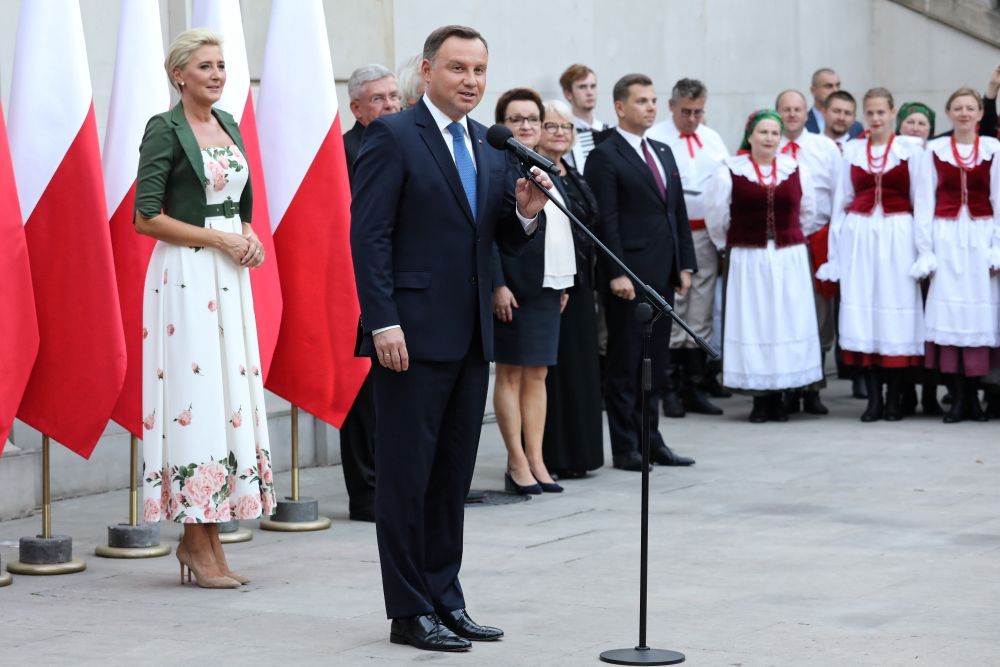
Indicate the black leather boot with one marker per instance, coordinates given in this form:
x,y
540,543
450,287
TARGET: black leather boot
x,y
791,402
811,404
711,384
758,415
858,387
673,407
908,398
776,407
976,413
694,398
893,402
873,387
992,394
956,387
928,399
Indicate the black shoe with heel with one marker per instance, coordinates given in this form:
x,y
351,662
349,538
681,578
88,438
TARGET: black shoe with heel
x,y
510,486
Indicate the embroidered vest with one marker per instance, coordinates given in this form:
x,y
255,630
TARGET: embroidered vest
x,y
957,187
890,189
759,213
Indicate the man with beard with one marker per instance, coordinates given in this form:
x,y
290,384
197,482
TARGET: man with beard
x,y
839,113
824,82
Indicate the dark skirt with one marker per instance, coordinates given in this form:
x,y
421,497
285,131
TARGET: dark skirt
x,y
574,436
532,338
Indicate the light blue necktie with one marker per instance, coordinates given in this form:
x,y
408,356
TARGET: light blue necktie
x,y
466,168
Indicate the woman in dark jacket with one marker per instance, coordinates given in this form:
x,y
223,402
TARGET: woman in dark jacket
x,y
573,439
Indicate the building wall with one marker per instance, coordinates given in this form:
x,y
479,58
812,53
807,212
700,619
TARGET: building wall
x,y
744,50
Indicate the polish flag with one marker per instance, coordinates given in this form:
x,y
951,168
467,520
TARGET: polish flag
x,y
138,92
310,206
57,165
18,326
223,17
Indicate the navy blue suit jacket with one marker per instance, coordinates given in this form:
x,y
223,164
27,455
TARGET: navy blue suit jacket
x,y
421,259
653,237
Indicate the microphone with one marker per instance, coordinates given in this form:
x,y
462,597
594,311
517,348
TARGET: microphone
x,y
501,138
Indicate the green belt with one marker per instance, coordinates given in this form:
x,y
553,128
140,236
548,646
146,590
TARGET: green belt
x,y
228,208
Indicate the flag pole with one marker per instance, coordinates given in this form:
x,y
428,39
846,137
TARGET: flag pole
x,y
46,554
133,539
295,514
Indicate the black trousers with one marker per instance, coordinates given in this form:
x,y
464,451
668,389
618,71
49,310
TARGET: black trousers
x,y
357,451
428,423
623,375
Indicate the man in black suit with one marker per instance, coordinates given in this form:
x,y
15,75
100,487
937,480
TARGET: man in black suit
x,y
373,93
643,220
430,198
824,82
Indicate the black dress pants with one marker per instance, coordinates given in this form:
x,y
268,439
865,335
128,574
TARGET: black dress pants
x,y
357,452
428,423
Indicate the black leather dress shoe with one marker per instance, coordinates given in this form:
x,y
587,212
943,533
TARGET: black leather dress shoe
x,y
461,624
426,632
631,462
696,401
665,457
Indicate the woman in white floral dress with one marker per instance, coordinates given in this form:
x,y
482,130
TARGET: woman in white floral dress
x,y
206,447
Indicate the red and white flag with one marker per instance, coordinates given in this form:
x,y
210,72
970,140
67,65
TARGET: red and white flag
x,y
57,164
310,204
223,17
138,92
18,326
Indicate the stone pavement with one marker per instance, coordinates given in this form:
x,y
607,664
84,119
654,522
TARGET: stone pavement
x,y
817,542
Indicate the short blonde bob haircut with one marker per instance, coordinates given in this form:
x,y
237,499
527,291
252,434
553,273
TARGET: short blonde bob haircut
x,y
184,46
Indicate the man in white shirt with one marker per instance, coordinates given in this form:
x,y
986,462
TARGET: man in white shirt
x,y
579,86
698,151
820,158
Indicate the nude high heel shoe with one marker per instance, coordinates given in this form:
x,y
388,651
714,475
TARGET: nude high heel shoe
x,y
203,581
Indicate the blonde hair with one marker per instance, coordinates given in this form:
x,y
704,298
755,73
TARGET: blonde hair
x,y
963,92
184,46
558,107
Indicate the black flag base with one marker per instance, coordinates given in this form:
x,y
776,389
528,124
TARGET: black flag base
x,y
642,655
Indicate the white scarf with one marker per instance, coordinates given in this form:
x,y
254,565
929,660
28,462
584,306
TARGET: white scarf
x,y
560,253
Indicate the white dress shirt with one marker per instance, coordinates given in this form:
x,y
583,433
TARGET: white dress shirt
x,y
822,159
697,161
635,141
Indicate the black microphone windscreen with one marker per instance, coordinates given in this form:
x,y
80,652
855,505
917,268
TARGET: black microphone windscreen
x,y
498,135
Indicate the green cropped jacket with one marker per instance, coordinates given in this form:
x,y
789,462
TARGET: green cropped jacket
x,y
171,175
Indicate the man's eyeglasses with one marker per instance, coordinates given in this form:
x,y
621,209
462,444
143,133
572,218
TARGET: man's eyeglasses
x,y
533,121
552,128
379,100
692,113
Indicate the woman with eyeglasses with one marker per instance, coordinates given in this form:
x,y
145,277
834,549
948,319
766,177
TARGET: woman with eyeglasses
x,y
574,437
529,293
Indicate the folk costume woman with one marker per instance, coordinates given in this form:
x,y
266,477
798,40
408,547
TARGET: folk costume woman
x,y
958,239
872,249
754,205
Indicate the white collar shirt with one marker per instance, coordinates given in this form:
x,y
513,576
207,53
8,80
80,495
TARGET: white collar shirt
x,y
698,158
822,160
581,124
635,141
443,122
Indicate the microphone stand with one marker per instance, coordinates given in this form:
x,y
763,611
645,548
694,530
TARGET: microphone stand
x,y
647,312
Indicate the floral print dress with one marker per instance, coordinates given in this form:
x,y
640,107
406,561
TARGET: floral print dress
x,y
206,451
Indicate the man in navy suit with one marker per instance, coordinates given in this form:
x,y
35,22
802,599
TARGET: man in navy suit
x,y
643,220
824,82
430,198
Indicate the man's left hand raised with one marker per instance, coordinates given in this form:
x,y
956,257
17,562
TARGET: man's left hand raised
x,y
531,200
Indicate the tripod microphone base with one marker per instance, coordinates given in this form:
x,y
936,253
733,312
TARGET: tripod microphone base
x,y
642,655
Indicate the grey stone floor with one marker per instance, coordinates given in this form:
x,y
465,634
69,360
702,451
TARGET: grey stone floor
x,y
817,542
